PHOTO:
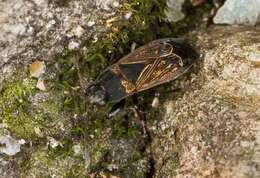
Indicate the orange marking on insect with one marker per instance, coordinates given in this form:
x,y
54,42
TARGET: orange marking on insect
x,y
129,87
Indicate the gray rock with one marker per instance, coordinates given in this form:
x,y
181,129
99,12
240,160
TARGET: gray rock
x,y
107,4
11,146
174,10
244,12
217,116
41,29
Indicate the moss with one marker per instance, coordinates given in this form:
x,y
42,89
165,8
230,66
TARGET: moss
x,y
141,28
147,23
23,111
42,165
15,107
124,127
65,104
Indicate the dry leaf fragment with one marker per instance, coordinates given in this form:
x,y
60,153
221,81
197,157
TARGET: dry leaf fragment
x,y
197,2
105,175
37,68
155,102
40,85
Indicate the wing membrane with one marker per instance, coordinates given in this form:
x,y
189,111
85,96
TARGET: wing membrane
x,y
147,53
162,70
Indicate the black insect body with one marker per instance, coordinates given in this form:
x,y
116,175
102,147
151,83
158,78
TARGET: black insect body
x,y
155,63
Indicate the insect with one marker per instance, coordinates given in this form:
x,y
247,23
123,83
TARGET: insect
x,y
155,63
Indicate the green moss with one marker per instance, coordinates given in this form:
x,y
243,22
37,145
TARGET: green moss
x,y
30,120
15,107
61,151
147,23
123,127
24,113
141,28
42,165
75,171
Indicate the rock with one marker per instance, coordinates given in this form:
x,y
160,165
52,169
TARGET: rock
x,y
174,10
77,149
107,4
254,57
53,143
242,12
78,31
43,29
90,23
128,15
17,29
213,128
73,45
9,145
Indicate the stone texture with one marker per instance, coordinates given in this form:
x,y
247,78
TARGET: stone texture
x,y
212,129
174,10
11,146
208,129
244,12
40,29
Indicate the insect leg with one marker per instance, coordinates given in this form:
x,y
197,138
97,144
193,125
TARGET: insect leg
x,y
116,108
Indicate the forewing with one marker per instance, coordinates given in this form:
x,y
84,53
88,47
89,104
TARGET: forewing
x,y
148,53
163,70
132,71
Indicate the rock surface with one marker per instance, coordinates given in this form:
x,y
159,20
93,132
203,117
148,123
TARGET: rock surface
x,y
42,29
209,128
244,12
11,146
213,128
174,10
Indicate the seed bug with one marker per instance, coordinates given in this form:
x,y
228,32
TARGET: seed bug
x,y
155,63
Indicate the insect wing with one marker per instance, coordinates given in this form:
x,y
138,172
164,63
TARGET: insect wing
x,y
147,53
161,71
132,65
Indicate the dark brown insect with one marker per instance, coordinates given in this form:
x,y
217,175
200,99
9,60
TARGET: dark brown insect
x,y
155,63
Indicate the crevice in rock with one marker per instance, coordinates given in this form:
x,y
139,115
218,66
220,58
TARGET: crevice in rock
x,y
148,147
151,172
